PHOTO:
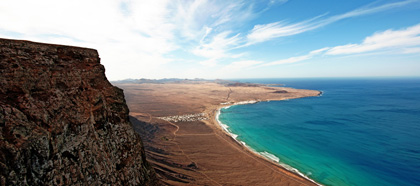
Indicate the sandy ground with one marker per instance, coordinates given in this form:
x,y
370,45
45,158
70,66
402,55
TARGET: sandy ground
x,y
200,152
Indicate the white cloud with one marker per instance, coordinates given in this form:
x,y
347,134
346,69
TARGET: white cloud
x,y
209,62
289,60
265,32
218,45
136,38
144,31
133,37
277,1
400,41
240,65
297,58
261,33
319,51
206,27
414,50
404,41
197,17
368,10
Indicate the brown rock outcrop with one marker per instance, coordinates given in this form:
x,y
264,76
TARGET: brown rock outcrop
x,y
62,122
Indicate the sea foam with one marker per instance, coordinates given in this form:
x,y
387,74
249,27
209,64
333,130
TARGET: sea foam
x,y
270,156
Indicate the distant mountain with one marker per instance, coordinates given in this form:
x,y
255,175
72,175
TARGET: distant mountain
x,y
186,81
160,81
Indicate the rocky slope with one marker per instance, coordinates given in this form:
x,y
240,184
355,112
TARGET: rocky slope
x,y
62,122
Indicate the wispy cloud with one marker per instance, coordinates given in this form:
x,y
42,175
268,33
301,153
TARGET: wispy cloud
x,y
128,34
207,27
144,31
399,41
136,38
240,65
265,32
197,17
277,2
217,46
261,33
414,50
403,41
297,58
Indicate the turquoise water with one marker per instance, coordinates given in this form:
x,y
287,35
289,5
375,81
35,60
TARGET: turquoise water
x,y
359,132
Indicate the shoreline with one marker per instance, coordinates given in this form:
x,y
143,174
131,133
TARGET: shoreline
x,y
187,151
268,156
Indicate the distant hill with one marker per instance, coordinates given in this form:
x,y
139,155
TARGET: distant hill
x,y
227,83
161,81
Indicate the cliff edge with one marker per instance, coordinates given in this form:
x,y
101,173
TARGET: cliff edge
x,y
62,122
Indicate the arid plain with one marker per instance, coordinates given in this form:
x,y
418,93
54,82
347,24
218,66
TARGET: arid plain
x,y
184,141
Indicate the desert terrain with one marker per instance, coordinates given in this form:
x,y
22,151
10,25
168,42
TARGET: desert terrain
x,y
184,141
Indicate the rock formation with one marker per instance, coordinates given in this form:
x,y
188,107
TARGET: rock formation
x,y
62,122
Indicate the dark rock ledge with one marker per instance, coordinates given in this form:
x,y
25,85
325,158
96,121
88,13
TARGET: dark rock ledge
x,y
62,122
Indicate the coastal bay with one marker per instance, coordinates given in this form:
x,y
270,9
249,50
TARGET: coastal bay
x,y
194,148
361,131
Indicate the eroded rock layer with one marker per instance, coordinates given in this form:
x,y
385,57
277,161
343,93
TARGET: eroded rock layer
x,y
62,122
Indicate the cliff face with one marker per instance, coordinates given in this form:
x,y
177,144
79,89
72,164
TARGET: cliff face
x,y
62,122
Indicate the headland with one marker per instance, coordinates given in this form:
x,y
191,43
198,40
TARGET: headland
x,y
186,144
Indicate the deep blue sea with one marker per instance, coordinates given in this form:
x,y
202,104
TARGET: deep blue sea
x,y
361,131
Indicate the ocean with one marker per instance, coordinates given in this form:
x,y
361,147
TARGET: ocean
x,y
361,131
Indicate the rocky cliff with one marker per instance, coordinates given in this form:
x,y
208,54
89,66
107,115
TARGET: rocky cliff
x,y
62,122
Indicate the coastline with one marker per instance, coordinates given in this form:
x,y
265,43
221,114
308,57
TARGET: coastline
x,y
203,153
271,158
200,152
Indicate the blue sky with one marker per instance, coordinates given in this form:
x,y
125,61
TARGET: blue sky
x,y
228,39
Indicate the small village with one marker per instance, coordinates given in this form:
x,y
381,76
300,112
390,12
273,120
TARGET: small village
x,y
185,118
